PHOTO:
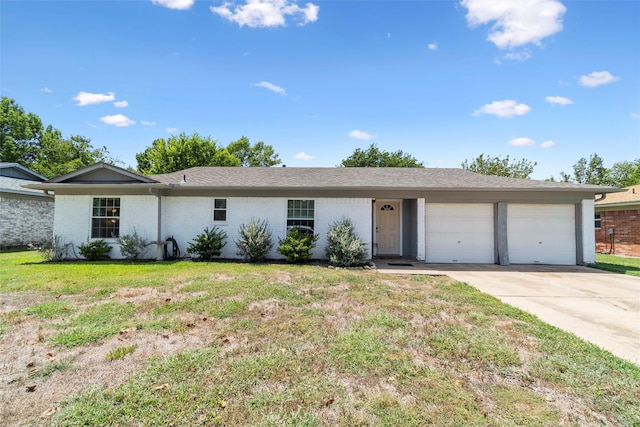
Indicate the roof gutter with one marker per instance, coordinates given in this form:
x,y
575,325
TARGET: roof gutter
x,y
602,197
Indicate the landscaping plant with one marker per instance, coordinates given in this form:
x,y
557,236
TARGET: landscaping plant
x,y
297,246
255,240
208,244
132,246
344,247
96,250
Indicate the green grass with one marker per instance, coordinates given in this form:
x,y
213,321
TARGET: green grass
x,y
618,264
310,346
120,352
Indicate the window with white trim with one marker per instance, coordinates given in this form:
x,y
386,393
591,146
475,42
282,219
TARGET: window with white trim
x,y
105,217
219,210
301,215
597,221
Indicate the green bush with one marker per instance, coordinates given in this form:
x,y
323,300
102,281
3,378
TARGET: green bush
x,y
207,245
54,250
344,247
255,240
297,246
96,250
132,246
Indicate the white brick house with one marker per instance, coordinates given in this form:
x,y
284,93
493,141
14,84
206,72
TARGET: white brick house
x,y
434,215
26,215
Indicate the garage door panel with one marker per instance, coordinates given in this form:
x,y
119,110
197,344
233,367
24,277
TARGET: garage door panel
x,y
541,234
459,232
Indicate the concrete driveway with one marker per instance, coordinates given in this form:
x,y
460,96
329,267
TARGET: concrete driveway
x,y
600,307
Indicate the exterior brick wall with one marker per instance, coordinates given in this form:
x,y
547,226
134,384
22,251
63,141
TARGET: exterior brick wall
x,y
626,237
25,220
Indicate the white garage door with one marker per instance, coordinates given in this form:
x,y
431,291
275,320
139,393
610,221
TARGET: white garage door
x,y
460,232
541,234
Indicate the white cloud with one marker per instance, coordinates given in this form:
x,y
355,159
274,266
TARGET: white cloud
x,y
598,78
634,115
548,144
433,46
358,134
303,156
506,108
46,90
522,55
272,87
267,13
171,130
522,142
516,22
145,123
117,120
559,100
86,98
175,4
121,104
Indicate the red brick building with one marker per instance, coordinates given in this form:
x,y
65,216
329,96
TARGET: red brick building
x,y
618,223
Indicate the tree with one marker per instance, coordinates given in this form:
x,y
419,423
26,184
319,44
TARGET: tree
x,y
625,174
372,157
58,156
500,166
588,172
24,140
20,133
258,154
182,152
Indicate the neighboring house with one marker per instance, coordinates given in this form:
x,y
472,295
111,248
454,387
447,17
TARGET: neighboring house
x,y
26,215
433,215
618,223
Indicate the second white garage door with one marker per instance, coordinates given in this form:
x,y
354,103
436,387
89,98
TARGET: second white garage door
x,y
541,234
460,232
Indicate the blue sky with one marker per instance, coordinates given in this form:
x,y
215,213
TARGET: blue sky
x,y
445,81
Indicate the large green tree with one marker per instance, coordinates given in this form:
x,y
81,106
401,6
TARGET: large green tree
x,y
258,154
185,151
24,140
182,152
625,173
500,166
590,171
20,133
373,157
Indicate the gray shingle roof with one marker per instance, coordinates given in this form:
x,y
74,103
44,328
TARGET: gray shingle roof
x,y
358,178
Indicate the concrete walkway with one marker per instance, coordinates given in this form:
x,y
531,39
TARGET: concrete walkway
x,y
600,307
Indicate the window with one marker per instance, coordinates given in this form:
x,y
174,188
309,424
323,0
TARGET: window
x,y
597,220
301,214
387,208
220,209
105,219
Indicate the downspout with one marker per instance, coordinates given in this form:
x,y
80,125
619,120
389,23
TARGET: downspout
x,y
159,197
604,196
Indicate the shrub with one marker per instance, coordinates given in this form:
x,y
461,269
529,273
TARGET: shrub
x,y
208,244
255,240
297,246
132,246
54,250
96,250
344,247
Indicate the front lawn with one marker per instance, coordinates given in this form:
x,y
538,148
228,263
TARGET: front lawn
x,y
618,264
235,344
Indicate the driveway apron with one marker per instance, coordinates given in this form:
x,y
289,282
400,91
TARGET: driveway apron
x,y
600,307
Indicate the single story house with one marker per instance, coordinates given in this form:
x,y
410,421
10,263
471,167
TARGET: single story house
x,y
618,223
429,214
26,215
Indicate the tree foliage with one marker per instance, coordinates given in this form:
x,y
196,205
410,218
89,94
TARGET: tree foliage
x,y
373,157
26,141
593,171
500,166
258,154
185,151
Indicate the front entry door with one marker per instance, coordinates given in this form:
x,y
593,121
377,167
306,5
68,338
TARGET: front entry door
x,y
388,227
